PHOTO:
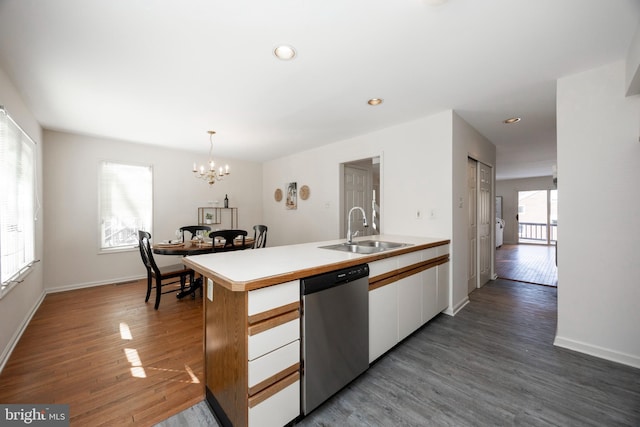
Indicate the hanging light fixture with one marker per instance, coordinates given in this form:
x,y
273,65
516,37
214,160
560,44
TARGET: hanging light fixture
x,y
208,172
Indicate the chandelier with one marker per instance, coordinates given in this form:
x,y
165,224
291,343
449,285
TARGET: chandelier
x,y
209,173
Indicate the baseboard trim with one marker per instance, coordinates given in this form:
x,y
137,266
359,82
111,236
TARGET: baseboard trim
x,y
456,309
596,351
18,334
92,284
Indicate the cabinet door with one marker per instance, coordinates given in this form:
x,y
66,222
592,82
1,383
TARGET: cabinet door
x,y
383,320
443,286
409,305
429,294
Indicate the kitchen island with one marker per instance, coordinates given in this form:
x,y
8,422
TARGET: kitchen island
x,y
252,316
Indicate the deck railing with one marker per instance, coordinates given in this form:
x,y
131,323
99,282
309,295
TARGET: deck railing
x,y
537,231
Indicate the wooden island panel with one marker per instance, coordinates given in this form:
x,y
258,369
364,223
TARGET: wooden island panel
x,y
226,351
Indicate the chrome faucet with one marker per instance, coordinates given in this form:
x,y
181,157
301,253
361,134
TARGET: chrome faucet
x,y
364,223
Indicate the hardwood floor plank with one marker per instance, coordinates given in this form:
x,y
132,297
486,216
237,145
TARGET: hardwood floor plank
x,y
83,348
492,364
527,263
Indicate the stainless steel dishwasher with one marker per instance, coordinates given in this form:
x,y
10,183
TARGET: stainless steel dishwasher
x,y
335,332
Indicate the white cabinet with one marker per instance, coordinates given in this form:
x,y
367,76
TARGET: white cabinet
x,y
429,294
270,364
443,286
407,291
383,320
409,305
273,353
273,338
279,409
411,258
272,297
377,268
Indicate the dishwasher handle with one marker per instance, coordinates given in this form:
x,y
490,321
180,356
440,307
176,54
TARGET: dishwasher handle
x,y
320,282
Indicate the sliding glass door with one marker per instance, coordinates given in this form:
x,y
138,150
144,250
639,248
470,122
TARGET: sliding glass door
x,y
537,216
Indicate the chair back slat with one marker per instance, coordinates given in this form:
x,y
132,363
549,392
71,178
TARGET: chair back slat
x,y
192,229
259,236
146,253
229,237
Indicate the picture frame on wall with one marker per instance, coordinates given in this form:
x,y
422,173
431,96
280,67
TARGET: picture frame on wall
x,y
291,201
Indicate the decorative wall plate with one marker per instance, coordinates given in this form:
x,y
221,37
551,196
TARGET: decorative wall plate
x,y
278,195
304,192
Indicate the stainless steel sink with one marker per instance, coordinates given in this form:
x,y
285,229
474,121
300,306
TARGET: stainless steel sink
x,y
382,244
351,247
365,246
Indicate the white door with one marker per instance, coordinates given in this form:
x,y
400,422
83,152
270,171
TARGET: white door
x,y
357,192
484,222
472,231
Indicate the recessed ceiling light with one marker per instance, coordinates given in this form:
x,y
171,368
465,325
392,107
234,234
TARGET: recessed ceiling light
x,y
512,120
284,52
374,101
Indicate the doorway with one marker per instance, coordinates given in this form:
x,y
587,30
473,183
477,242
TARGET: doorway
x,y
361,187
538,217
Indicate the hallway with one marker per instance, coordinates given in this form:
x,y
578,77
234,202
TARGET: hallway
x,y
528,264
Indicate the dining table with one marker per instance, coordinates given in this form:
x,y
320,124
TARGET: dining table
x,y
195,247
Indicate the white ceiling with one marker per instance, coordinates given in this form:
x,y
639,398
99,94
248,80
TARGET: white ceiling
x,y
164,72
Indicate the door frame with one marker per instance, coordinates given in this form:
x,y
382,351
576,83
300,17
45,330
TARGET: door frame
x,y
475,248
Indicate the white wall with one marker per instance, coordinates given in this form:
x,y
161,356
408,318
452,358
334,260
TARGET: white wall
x,y
467,142
415,174
71,201
508,189
423,167
17,306
599,215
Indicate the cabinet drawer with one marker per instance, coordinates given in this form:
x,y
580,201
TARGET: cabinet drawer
x,y
272,363
411,258
377,268
271,297
273,338
443,249
279,409
428,254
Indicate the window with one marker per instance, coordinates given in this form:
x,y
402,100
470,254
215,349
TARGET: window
x,y
17,203
126,203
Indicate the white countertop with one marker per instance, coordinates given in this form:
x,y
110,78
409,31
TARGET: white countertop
x,y
251,269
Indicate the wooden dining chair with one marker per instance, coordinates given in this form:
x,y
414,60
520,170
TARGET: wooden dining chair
x,y
170,275
229,237
259,236
192,229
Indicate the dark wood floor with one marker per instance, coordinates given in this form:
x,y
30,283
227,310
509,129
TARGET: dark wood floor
x,y
493,364
114,359
527,263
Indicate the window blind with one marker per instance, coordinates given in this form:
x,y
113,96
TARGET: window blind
x,y
17,202
126,204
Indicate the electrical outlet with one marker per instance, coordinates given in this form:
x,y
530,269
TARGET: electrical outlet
x,y
210,289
